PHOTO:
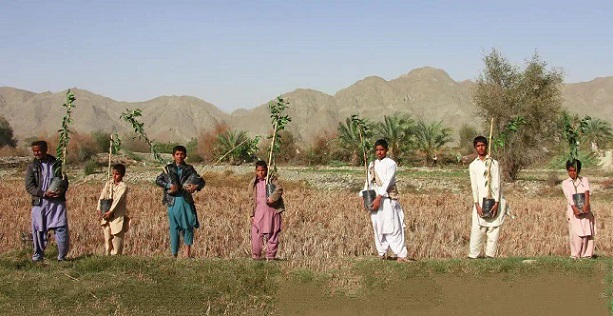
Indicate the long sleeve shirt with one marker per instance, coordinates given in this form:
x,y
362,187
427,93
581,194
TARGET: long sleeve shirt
x,y
582,225
386,171
478,180
118,193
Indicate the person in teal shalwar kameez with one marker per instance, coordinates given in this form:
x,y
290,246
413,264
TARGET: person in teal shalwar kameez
x,y
179,182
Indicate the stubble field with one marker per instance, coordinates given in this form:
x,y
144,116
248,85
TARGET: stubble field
x,y
328,261
323,220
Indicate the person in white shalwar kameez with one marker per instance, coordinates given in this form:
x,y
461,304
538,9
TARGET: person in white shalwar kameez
x,y
388,219
485,227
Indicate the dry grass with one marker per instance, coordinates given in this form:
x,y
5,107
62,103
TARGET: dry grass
x,y
317,224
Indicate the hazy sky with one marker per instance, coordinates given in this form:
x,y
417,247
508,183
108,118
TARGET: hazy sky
x,y
240,54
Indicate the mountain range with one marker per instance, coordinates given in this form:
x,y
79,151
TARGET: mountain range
x,y
426,93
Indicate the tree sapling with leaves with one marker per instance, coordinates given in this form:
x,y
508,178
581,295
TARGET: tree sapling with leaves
x,y
279,121
139,129
362,129
60,181
104,203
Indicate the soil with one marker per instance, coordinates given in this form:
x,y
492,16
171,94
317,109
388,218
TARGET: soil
x,y
447,294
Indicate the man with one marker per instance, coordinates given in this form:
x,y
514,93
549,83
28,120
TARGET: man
x,y
48,208
485,226
388,217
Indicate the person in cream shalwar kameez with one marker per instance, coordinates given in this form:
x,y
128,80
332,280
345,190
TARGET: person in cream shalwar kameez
x,y
388,219
115,221
485,228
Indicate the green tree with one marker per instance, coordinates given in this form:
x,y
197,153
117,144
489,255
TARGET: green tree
x,y
504,92
574,129
467,133
349,138
430,137
237,146
398,130
598,133
6,134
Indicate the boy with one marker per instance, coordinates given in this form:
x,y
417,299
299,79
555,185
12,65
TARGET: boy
x,y
178,183
48,208
388,217
265,213
580,221
115,221
482,227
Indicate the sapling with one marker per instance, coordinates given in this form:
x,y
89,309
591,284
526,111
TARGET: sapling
x,y
362,127
139,128
114,146
574,128
59,183
498,143
279,121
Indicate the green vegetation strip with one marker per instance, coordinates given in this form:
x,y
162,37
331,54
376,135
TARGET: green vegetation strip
x,y
142,286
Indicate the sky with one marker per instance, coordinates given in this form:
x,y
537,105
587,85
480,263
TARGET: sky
x,y
241,54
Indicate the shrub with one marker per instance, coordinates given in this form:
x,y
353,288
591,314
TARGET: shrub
x,y
90,167
133,144
133,156
6,134
321,151
205,146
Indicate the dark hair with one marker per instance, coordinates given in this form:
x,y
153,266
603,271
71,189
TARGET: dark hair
x,y
120,168
382,142
40,143
479,139
261,163
575,163
179,148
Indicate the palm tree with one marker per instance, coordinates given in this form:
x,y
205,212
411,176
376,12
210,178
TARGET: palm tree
x,y
236,144
597,133
398,131
431,137
349,139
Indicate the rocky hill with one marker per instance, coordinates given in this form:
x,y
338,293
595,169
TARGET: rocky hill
x,y
426,93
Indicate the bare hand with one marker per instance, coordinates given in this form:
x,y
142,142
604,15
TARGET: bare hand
x,y
51,194
479,210
173,188
269,201
376,203
494,209
586,208
191,188
576,210
107,215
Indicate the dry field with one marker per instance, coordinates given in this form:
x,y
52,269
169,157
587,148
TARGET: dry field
x,y
318,223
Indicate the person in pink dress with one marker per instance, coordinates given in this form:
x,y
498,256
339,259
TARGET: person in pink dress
x,y
580,218
265,213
